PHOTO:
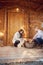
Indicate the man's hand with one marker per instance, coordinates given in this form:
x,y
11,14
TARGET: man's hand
x,y
30,40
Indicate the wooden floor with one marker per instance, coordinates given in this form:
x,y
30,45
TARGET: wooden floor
x,y
12,54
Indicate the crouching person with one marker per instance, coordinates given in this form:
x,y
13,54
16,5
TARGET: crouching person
x,y
18,39
38,38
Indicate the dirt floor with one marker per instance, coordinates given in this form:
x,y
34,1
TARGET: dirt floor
x,y
13,54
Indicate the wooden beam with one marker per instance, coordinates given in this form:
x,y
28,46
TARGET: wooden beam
x,y
37,1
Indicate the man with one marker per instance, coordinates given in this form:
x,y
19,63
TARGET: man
x,y
18,38
38,37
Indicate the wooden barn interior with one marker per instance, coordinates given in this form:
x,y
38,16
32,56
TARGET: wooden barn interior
x,y
17,14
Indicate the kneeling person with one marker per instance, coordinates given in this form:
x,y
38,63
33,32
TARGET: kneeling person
x,y
18,39
38,37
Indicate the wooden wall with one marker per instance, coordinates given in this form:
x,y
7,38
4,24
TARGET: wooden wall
x,y
11,21
2,27
36,20
16,21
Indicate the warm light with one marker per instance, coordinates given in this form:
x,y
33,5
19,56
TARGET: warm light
x,y
17,9
24,30
1,34
22,27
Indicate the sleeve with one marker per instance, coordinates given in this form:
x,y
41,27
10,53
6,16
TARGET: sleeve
x,y
16,37
35,36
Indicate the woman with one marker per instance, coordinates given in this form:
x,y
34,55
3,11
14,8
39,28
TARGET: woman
x,y
18,38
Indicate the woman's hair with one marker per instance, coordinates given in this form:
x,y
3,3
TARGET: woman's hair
x,y
21,30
